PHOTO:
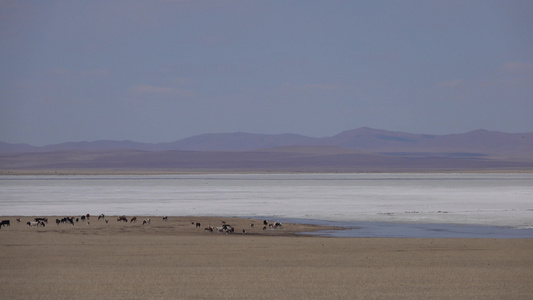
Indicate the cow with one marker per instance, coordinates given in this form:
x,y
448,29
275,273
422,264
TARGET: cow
x,y
37,224
133,220
122,218
165,218
5,223
225,229
198,225
101,217
45,220
146,221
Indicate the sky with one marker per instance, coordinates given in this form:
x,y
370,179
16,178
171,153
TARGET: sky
x,y
162,70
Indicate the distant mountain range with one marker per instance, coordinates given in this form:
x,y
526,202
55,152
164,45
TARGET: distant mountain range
x,y
362,149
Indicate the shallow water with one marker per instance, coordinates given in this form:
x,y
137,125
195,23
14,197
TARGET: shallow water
x,y
370,202
416,230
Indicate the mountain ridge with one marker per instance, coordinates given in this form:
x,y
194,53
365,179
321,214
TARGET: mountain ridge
x,y
358,150
491,143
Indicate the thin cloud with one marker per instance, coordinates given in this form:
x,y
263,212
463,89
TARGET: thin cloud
x,y
518,67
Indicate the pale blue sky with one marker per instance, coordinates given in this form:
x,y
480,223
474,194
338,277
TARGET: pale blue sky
x,y
159,71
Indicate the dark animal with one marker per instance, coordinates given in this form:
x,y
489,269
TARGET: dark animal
x,y
225,228
5,223
122,218
146,221
165,218
198,225
101,217
133,220
45,220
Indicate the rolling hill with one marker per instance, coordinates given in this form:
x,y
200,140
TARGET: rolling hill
x,y
359,150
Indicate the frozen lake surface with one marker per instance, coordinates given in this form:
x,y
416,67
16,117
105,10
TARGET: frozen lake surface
x,y
362,201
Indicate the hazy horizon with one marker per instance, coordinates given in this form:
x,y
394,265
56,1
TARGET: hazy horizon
x,y
164,70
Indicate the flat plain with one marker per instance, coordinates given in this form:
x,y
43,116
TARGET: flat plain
x,y
175,259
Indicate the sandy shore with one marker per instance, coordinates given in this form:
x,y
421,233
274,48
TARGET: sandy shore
x,y
174,259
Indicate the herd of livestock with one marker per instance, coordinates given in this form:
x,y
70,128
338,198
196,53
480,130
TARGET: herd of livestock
x,y
43,221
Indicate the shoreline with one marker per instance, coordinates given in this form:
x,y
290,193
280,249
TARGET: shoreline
x,y
288,227
171,225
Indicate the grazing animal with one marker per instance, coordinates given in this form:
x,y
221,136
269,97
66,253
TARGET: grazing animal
x,y
5,223
133,220
88,216
165,218
101,217
45,220
146,221
58,222
225,229
82,218
67,219
274,225
31,224
198,225
18,220
122,218
106,221
265,222
209,228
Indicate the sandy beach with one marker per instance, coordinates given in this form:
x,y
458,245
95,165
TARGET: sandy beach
x,y
175,259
